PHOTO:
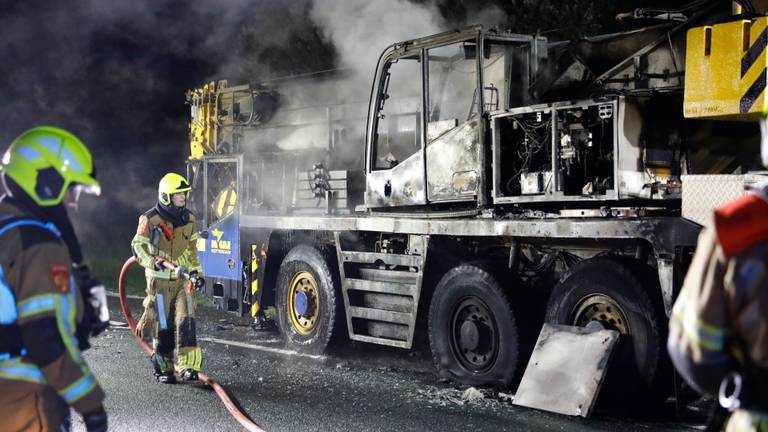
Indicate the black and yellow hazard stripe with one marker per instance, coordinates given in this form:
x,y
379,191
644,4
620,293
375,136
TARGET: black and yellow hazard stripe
x,y
756,51
255,295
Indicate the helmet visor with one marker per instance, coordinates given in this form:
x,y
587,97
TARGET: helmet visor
x,y
87,189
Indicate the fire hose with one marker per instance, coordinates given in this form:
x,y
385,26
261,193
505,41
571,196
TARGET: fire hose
x,y
239,415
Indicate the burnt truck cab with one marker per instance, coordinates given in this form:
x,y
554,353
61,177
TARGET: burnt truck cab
x,y
427,116
452,125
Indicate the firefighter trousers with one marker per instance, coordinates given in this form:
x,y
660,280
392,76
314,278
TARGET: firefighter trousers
x,y
169,319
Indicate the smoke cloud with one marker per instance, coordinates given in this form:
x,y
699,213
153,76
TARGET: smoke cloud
x,y
360,31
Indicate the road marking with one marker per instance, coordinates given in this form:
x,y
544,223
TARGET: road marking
x,y
261,348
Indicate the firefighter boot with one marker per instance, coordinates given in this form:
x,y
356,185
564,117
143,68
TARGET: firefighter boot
x,y
189,375
190,361
163,369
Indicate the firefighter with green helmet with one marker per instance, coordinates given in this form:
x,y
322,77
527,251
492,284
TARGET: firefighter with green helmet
x,y
166,246
49,303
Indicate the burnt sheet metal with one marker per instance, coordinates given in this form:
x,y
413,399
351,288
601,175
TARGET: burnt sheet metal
x,y
453,163
402,185
663,233
566,370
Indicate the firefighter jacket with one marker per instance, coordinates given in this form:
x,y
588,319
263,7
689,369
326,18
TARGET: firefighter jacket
x,y
719,322
40,309
157,237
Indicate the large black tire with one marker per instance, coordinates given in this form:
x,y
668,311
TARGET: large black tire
x,y
616,292
472,329
305,270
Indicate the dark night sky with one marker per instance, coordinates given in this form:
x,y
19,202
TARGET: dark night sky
x,y
115,72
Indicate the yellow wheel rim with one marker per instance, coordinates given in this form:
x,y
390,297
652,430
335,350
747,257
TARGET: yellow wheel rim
x,y
303,302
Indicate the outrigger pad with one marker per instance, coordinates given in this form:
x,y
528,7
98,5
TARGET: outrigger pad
x,y
566,369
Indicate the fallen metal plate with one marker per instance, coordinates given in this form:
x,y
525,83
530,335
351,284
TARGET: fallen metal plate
x,y
566,370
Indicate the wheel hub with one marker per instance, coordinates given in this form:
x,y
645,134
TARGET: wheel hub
x,y
474,335
303,303
470,335
603,309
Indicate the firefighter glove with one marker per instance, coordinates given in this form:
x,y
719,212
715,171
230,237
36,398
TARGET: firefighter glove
x,y
99,314
182,272
159,264
96,317
96,421
199,283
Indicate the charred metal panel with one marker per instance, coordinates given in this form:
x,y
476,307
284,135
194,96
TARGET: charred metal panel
x,y
552,383
402,185
663,233
453,163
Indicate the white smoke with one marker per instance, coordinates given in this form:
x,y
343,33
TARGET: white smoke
x,y
360,31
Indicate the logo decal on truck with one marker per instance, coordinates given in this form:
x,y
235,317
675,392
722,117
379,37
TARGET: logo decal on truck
x,y
218,245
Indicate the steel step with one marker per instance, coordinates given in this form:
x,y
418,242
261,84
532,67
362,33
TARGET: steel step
x,y
379,315
380,287
388,259
403,277
380,303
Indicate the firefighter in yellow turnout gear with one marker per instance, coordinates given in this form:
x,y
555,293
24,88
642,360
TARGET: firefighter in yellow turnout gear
x,y
49,304
166,234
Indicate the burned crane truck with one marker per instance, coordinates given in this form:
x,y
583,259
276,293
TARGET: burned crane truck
x,y
493,182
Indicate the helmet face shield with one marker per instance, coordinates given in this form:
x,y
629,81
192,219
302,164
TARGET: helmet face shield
x,y
72,197
88,189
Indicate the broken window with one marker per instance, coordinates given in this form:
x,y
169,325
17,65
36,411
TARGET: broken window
x,y
398,130
452,83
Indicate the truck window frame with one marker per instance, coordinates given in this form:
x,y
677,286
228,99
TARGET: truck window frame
x,y
383,78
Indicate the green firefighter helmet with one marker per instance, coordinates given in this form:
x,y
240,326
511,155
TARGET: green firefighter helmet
x,y
170,184
45,161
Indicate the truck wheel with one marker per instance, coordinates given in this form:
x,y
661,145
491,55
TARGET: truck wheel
x,y
307,308
610,290
472,329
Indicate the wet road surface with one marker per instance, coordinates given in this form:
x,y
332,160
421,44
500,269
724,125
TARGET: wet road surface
x,y
358,387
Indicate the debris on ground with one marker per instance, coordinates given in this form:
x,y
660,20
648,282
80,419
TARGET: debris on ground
x,y
469,396
472,394
506,397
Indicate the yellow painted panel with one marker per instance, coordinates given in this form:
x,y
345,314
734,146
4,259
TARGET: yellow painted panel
x,y
725,70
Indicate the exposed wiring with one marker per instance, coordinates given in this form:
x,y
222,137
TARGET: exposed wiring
x,y
535,140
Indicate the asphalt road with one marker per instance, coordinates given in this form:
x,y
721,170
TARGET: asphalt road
x,y
358,388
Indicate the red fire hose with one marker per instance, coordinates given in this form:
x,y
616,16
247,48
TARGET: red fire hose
x,y
240,416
